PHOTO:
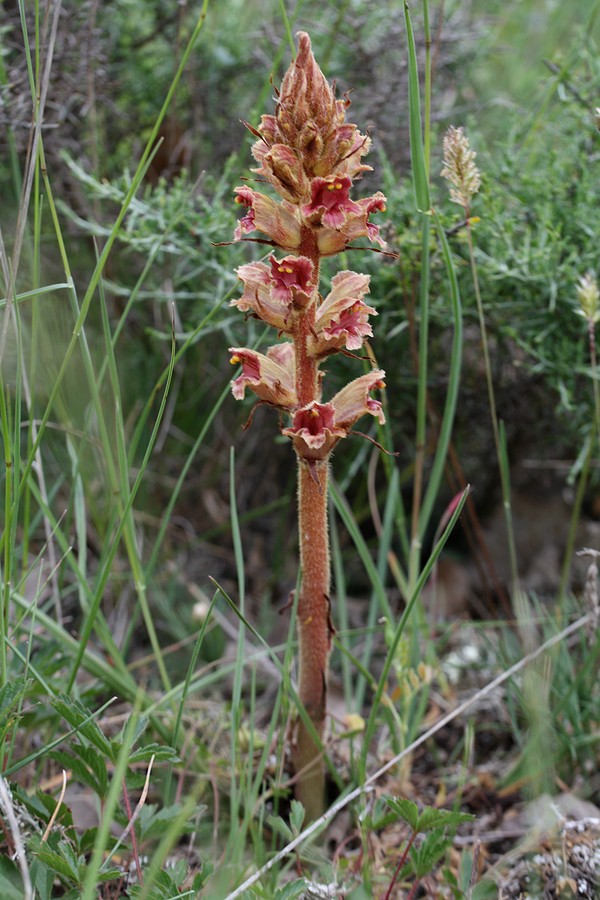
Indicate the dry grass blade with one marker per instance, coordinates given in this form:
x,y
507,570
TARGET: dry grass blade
x,y
56,808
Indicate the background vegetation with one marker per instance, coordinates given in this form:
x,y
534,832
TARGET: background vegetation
x,y
134,506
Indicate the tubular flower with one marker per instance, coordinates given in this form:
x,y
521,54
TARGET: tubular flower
x,y
271,377
353,401
313,430
258,299
342,318
271,293
279,221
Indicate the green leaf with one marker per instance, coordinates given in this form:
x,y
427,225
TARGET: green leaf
x,y
160,753
87,766
417,153
11,884
297,814
42,806
431,818
202,877
425,857
152,821
281,827
163,888
405,810
56,861
10,696
292,890
75,713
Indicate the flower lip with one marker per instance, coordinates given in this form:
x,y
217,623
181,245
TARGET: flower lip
x,y
330,201
313,430
291,279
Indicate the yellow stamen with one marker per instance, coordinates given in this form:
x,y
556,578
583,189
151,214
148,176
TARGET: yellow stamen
x,y
314,413
280,269
331,187
235,360
288,270
338,186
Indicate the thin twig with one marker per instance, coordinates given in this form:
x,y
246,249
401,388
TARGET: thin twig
x,y
56,808
441,723
132,820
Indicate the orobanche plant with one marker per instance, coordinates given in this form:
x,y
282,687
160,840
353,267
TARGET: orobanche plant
x,y
310,155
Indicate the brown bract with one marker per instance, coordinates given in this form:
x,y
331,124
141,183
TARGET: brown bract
x,y
308,136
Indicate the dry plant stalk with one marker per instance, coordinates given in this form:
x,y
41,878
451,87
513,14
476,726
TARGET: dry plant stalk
x,y
310,155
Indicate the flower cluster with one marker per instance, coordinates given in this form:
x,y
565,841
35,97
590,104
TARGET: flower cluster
x,y
310,155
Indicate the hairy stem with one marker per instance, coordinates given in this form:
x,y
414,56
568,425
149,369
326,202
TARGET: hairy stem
x,y
314,632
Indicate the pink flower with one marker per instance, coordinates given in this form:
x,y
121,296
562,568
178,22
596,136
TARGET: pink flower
x,y
245,197
313,430
279,221
359,225
330,202
258,297
273,292
353,401
342,318
356,224
317,427
270,376
292,279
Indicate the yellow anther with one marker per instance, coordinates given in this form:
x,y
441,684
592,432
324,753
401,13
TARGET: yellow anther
x,y
280,269
338,186
331,187
289,271
234,360
314,413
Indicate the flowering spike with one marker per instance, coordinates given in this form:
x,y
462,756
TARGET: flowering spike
x,y
459,167
310,156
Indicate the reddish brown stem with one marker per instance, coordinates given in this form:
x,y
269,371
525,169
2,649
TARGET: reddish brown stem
x,y
314,632
398,868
